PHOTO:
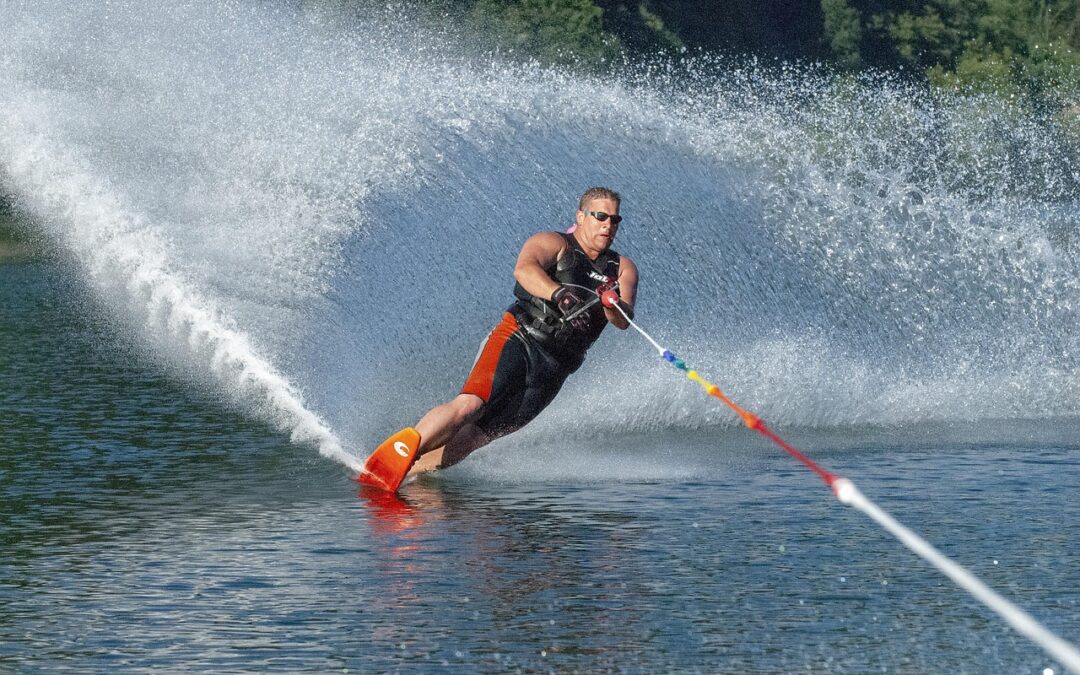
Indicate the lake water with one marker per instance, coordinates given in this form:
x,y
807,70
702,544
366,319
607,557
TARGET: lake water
x,y
145,526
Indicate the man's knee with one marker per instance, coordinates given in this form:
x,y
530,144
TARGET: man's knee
x,y
467,407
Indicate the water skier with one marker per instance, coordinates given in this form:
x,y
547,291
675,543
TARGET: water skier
x,y
567,287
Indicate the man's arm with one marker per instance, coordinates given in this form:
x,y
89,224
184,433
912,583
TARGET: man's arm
x,y
539,251
628,277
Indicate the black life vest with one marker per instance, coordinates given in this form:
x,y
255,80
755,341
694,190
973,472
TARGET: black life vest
x,y
543,321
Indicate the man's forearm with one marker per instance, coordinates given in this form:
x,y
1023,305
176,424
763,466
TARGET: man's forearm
x,y
535,280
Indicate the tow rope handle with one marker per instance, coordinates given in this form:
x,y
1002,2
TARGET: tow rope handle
x,y
586,305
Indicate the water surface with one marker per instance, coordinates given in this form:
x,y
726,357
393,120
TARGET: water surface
x,y
146,526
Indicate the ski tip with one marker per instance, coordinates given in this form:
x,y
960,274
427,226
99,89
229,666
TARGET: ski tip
x,y
386,468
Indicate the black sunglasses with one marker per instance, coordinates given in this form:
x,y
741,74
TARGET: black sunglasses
x,y
601,216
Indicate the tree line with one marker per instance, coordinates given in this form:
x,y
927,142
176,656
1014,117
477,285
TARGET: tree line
x,y
1004,46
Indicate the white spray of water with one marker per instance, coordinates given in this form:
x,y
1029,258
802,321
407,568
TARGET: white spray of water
x,y
116,247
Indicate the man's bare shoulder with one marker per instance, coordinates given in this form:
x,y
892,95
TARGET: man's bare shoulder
x,y
551,243
547,239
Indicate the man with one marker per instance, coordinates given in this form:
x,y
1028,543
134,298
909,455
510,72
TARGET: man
x,y
568,286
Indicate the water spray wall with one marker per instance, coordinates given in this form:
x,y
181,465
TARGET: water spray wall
x,y
318,219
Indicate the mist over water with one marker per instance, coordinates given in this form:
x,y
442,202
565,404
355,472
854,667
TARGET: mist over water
x,y
320,220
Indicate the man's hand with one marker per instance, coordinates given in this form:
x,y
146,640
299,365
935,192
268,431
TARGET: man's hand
x,y
609,297
568,300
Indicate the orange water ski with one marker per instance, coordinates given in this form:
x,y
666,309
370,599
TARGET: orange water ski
x,y
387,466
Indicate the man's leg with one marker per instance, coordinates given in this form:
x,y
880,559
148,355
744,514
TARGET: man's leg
x,y
389,464
500,418
468,439
494,386
442,422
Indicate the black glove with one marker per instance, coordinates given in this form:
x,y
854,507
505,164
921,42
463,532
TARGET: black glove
x,y
568,300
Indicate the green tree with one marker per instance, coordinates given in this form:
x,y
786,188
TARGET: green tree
x,y
554,31
843,30
1026,46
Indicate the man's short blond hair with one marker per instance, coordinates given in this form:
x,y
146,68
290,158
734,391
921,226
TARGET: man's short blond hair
x,y
598,193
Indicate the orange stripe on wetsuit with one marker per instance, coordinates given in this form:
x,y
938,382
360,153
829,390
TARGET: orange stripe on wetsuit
x,y
482,377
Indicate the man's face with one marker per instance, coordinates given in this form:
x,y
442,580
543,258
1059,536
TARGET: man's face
x,y
593,232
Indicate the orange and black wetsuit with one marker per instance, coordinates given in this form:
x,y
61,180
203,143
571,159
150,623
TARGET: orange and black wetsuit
x,y
523,363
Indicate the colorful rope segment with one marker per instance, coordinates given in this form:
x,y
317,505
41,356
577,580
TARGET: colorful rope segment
x,y
751,420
